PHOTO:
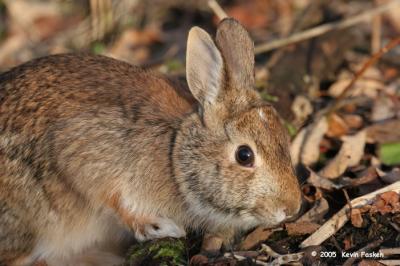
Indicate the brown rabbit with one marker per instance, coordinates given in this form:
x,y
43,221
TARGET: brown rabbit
x,y
92,148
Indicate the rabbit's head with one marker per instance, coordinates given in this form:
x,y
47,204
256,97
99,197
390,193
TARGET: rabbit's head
x,y
231,158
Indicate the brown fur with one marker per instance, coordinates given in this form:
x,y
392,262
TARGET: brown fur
x,y
91,148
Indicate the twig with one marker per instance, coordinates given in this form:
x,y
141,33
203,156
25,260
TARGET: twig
x,y
376,32
317,31
375,57
340,218
389,262
389,251
350,261
217,9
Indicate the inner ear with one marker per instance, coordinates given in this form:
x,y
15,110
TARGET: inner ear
x,y
204,67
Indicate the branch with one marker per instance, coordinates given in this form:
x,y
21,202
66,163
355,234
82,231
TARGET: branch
x,y
339,219
317,31
217,9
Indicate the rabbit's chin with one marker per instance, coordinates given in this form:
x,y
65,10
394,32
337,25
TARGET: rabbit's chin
x,y
209,219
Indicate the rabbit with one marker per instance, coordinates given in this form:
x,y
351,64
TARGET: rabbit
x,y
95,152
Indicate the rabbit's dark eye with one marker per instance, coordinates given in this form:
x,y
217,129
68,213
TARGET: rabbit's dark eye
x,y
245,156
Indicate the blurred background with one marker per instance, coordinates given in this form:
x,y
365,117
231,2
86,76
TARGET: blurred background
x,y
153,34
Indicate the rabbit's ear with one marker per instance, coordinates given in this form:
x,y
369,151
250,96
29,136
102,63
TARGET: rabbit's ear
x,y
204,67
237,49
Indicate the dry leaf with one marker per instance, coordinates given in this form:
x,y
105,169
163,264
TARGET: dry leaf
x,y
389,177
260,234
337,126
388,131
321,182
382,109
348,243
316,213
387,202
198,259
306,144
301,228
301,108
356,218
370,263
311,193
363,87
353,121
368,175
349,155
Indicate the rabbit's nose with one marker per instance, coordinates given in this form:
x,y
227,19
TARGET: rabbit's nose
x,y
294,212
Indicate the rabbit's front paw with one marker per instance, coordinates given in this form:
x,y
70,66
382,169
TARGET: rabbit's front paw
x,y
158,228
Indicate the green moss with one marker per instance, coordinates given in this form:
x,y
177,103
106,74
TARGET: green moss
x,y
158,252
98,47
268,97
174,65
291,129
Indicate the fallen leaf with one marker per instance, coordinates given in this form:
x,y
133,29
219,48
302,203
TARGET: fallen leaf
x,y
370,263
356,218
387,202
382,109
301,228
198,260
305,147
301,108
353,121
348,243
337,126
390,197
389,177
316,213
388,131
368,175
368,86
311,193
321,182
260,234
349,155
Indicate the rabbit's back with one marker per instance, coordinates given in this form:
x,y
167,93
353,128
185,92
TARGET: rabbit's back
x,y
77,115
61,86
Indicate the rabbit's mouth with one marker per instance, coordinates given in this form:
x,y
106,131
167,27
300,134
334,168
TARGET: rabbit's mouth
x,y
270,218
